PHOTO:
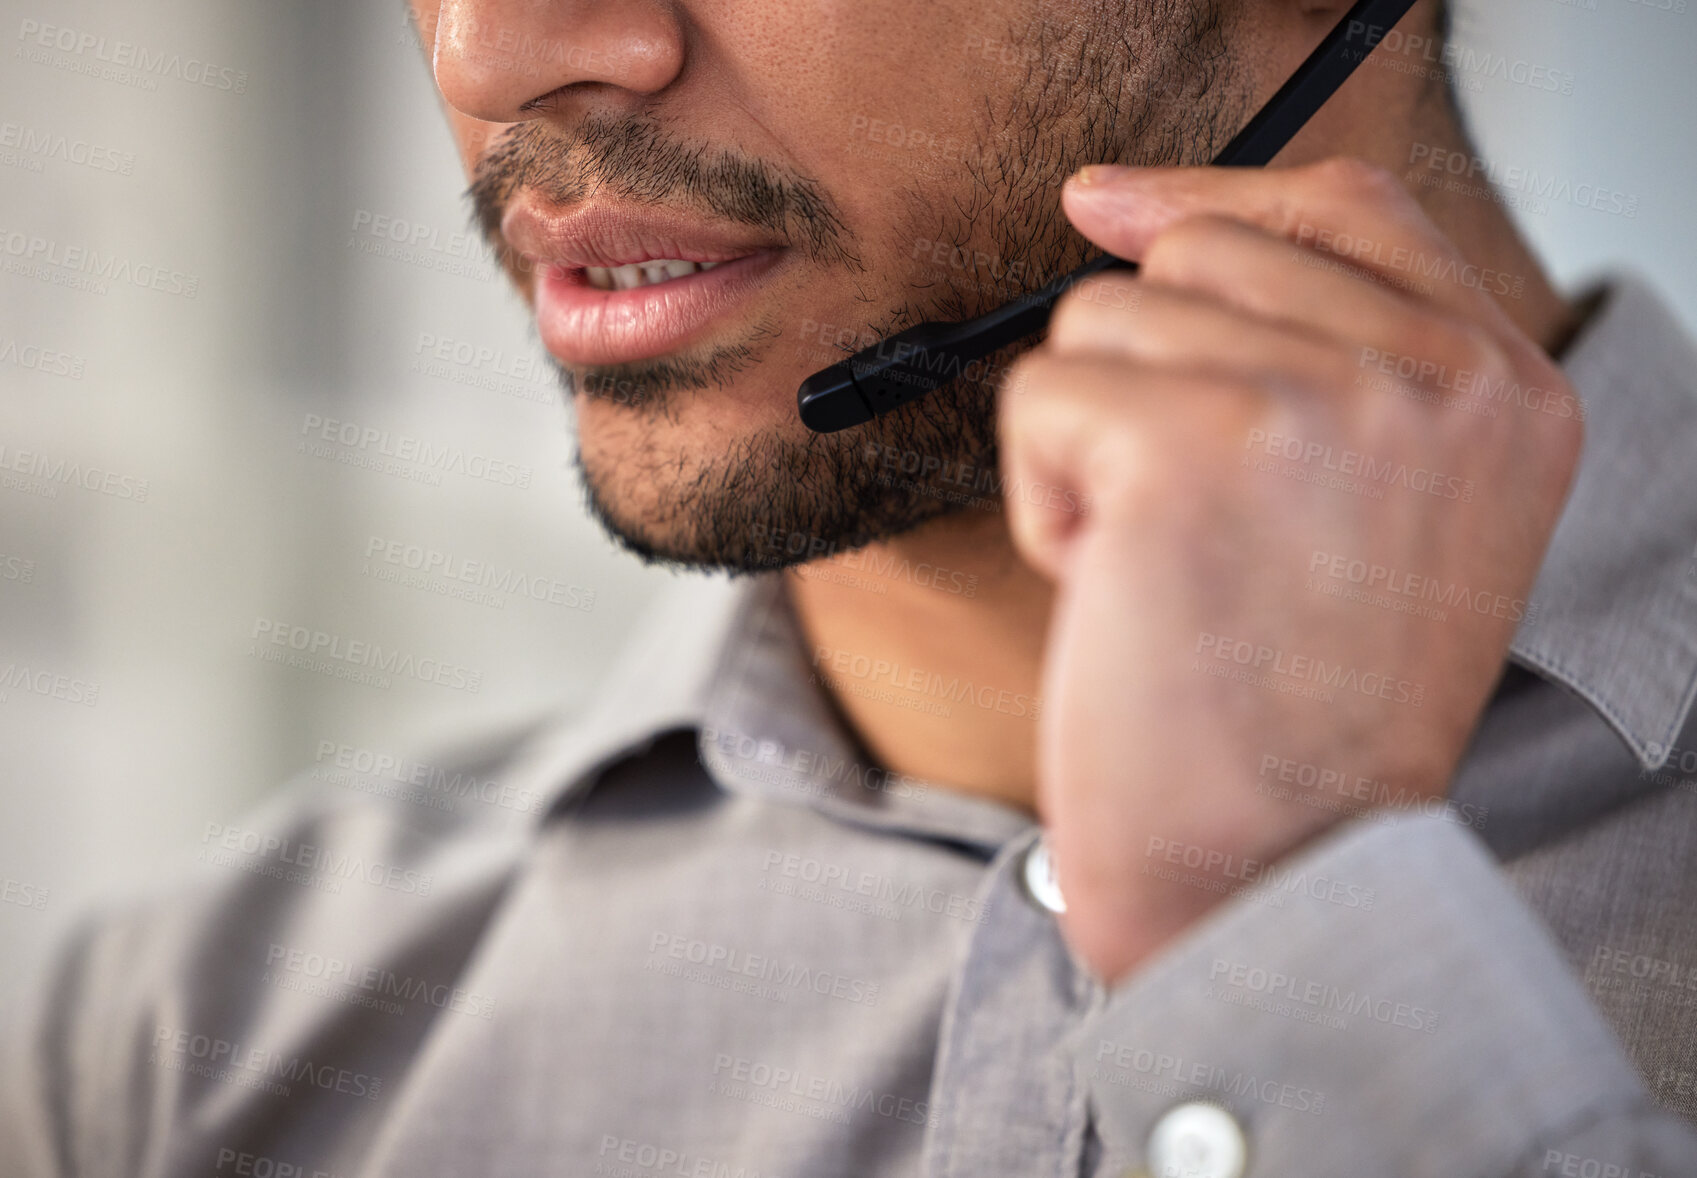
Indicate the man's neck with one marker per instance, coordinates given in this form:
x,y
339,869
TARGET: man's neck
x,y
931,644
931,647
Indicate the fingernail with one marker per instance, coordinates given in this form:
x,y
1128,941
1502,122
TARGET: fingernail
x,y
1097,175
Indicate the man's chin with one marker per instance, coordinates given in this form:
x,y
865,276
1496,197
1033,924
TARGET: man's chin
x,y
739,487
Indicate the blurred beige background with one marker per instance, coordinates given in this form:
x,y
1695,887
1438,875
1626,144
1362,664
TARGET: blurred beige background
x,y
280,220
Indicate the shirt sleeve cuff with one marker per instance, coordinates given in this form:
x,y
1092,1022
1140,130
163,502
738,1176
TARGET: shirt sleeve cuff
x,y
1380,1002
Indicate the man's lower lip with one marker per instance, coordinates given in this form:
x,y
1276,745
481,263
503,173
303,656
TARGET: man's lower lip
x,y
580,324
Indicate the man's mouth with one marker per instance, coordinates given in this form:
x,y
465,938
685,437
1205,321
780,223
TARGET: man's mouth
x,y
615,284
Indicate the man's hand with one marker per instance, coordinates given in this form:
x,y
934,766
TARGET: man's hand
x,y
1323,466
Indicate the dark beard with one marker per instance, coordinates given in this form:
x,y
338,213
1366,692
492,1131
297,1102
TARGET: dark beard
x,y
1121,85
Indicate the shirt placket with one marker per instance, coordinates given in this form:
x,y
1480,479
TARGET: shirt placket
x,y
1005,1094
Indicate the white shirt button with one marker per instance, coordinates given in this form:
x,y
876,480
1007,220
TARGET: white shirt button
x,y
1040,882
1197,1140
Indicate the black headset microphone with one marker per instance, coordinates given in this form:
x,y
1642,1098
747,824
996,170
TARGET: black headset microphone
x,y
910,364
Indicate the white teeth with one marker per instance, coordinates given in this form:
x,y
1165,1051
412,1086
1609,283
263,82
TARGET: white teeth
x,y
642,273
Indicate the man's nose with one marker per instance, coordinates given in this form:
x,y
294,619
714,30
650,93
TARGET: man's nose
x,y
494,58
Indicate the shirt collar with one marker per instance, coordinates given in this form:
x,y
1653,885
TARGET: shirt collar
x,y
1611,619
1613,613
726,658
660,682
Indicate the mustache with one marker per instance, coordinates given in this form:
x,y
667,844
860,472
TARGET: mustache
x,y
635,159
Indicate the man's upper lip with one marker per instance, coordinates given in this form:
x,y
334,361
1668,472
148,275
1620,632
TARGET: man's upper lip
x,y
608,234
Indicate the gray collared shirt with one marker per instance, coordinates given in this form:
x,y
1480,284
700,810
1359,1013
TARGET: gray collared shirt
x,y
694,932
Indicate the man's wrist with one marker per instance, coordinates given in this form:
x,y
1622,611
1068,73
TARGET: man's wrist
x,y
1185,874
